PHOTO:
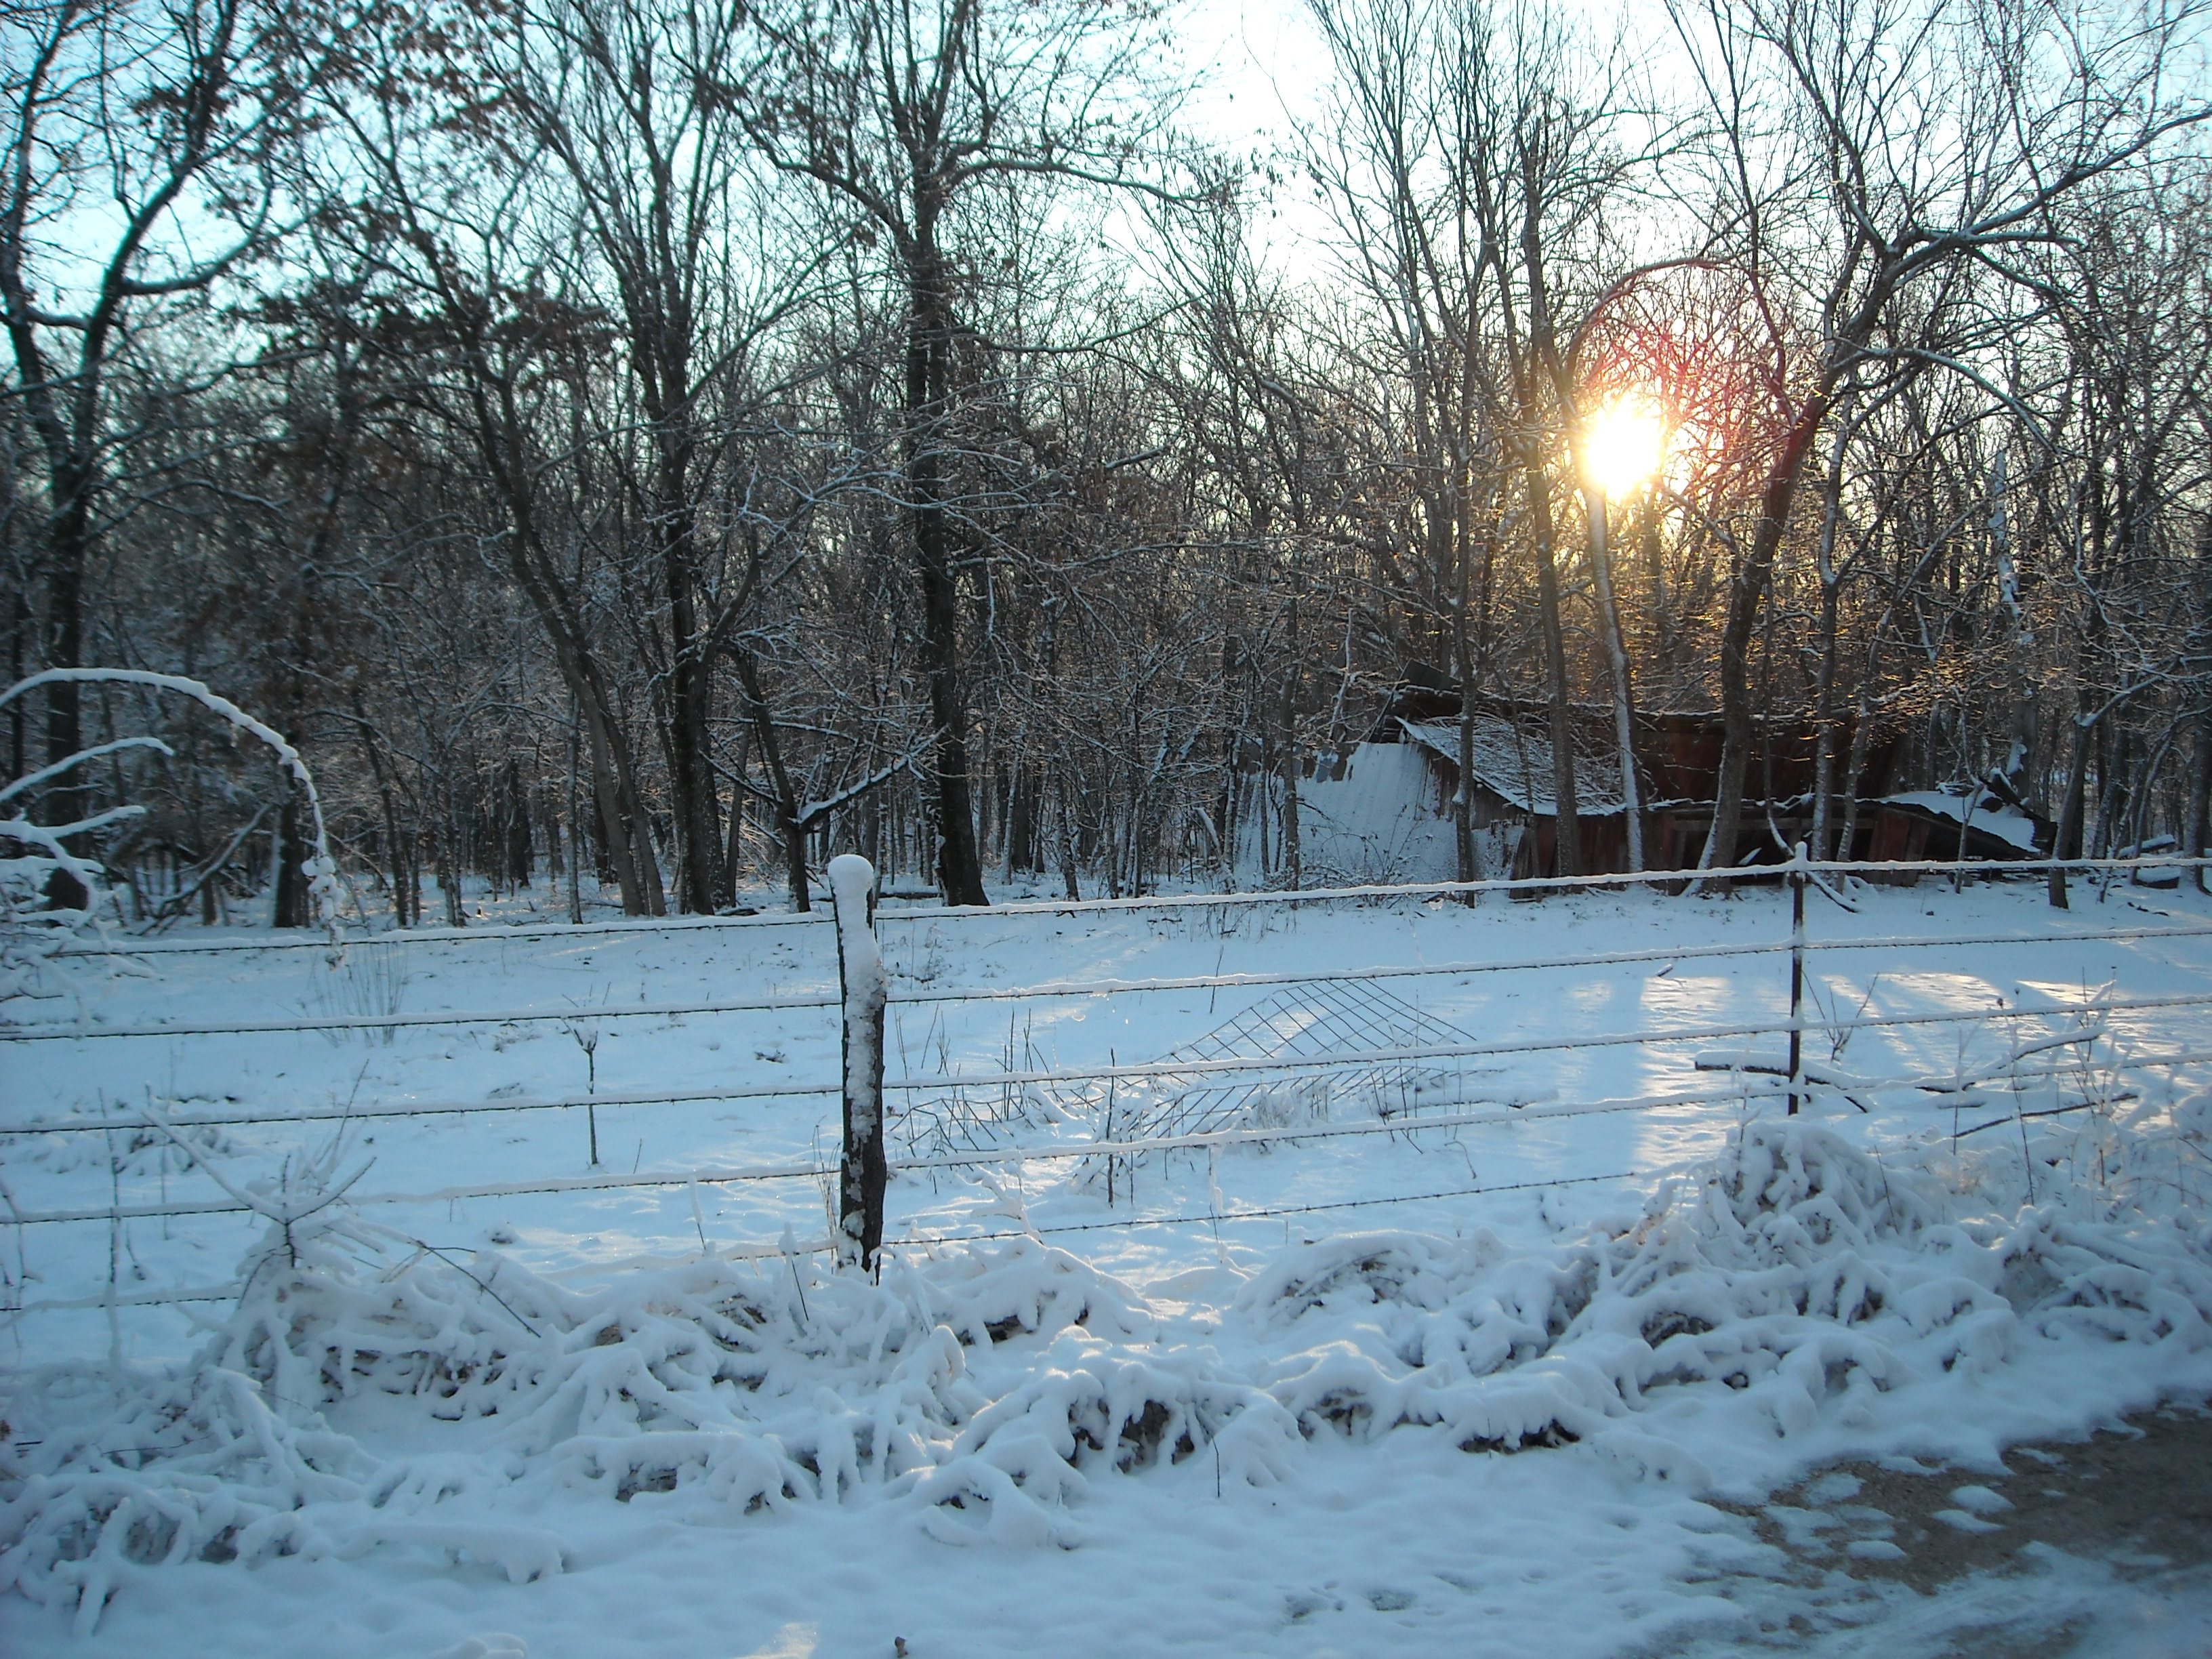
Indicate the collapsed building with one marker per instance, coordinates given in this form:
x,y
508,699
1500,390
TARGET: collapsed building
x,y
1405,776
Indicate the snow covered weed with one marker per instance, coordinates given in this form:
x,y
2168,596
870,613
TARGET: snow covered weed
x,y
728,1388
364,983
1814,1282
1802,1296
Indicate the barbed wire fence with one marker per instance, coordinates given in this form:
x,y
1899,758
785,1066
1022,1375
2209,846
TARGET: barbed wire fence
x,y
1280,1070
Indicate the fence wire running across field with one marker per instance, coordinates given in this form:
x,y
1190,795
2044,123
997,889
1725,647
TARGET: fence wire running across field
x,y
1322,1056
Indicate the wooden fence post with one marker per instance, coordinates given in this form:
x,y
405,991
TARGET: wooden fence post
x,y
1798,877
862,1172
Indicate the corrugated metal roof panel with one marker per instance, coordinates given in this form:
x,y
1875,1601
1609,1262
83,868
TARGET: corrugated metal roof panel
x,y
1516,766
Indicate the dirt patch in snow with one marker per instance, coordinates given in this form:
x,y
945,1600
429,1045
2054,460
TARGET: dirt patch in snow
x,y
2101,1545
2140,1498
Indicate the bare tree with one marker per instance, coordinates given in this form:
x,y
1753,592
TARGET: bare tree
x,y
138,134
902,113
1906,141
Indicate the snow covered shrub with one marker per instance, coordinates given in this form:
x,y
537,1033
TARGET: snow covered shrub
x,y
1804,1277
1087,1407
713,1388
370,982
1801,1297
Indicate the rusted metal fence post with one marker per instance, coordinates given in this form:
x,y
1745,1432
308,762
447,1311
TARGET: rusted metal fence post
x,y
863,1175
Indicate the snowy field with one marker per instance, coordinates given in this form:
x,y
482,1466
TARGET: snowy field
x,y
1487,1343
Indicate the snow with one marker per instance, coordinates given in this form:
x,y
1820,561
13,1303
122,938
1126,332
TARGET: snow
x,y
1378,818
1518,765
46,775
1987,813
321,869
30,928
1387,1385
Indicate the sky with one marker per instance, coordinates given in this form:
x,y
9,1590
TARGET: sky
x,y
1260,70
1267,69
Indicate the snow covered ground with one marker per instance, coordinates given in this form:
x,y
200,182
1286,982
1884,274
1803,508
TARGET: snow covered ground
x,y
1461,1367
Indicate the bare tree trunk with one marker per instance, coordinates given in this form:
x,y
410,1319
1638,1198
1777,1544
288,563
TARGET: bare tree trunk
x,y
2200,796
577,838
1567,834
1293,843
1468,866
1862,746
2067,843
1542,352
689,739
790,822
928,408
1824,692
395,847
1825,721
291,908
1624,704
69,546
449,866
1746,597
1067,851
608,795
734,853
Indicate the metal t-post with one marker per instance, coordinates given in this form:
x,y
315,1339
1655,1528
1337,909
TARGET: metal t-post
x,y
862,1172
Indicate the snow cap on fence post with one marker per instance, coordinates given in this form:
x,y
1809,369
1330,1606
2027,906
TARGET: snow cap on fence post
x,y
863,1175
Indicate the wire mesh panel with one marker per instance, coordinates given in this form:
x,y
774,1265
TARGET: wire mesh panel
x,y
1304,1022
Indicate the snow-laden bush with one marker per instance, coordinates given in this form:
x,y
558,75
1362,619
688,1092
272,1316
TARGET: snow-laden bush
x,y
726,1388
1802,1274
1801,1294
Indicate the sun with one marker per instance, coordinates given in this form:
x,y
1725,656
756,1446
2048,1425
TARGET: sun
x,y
1624,444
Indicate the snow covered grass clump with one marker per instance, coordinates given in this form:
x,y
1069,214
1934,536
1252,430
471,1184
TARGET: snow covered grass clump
x,y
1800,1283
726,1389
1805,1294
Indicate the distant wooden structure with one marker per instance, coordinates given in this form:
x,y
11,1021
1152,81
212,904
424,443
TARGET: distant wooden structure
x,y
1678,755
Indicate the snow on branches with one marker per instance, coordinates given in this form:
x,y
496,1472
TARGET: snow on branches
x,y
31,926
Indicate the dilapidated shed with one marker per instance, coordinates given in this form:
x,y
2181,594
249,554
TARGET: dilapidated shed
x,y
1512,797
1509,776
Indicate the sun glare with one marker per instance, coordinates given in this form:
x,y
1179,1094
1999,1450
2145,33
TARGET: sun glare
x,y
1625,441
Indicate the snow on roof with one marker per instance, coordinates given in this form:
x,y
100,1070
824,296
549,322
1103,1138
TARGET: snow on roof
x,y
1516,765
1378,819
1990,815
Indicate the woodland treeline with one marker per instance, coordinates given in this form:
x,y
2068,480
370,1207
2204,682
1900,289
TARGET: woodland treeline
x,y
671,441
